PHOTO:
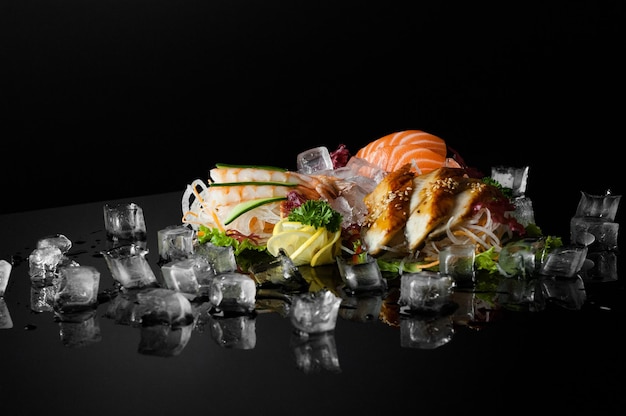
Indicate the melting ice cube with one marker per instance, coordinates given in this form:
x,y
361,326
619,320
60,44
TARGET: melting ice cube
x,y
77,288
315,312
175,242
425,291
5,274
233,292
128,266
314,161
191,275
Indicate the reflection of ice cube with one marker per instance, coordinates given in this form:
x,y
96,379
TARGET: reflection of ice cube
x,y
237,332
279,271
566,293
5,315
457,261
361,276
123,309
79,329
605,232
564,261
314,161
128,266
235,292
164,340
600,266
221,258
57,240
190,275
77,288
315,352
598,206
425,333
425,291
160,305
175,242
315,312
362,307
519,295
5,274
42,297
511,177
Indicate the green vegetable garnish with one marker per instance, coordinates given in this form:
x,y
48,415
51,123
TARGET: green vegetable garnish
x,y
507,192
317,213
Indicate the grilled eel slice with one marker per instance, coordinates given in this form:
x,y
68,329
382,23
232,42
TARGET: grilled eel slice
x,y
388,209
471,192
432,200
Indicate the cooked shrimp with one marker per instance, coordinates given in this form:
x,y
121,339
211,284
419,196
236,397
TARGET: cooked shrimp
x,y
211,203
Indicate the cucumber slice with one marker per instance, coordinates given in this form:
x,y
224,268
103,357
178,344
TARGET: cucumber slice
x,y
292,184
226,165
249,205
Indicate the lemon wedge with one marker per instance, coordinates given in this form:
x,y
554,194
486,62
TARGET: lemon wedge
x,y
305,252
289,241
285,225
328,253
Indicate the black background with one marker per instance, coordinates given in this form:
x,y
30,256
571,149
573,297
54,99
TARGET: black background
x,y
113,99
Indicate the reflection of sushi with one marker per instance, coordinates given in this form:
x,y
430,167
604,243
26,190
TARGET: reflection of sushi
x,y
426,152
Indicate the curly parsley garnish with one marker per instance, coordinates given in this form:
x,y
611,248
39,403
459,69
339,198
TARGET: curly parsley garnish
x,y
317,213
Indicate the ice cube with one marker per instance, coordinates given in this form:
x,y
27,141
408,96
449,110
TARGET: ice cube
x,y
564,261
43,263
57,240
598,206
175,242
191,275
5,274
314,161
524,212
314,353
164,340
457,261
129,267
425,291
77,288
222,258
514,178
424,332
604,232
522,257
236,332
6,322
233,292
163,306
315,312
362,275
124,222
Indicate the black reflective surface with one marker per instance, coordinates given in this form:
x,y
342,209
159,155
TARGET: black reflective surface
x,y
567,357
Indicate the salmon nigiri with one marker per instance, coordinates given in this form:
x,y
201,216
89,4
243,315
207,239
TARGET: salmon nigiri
x,y
425,151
